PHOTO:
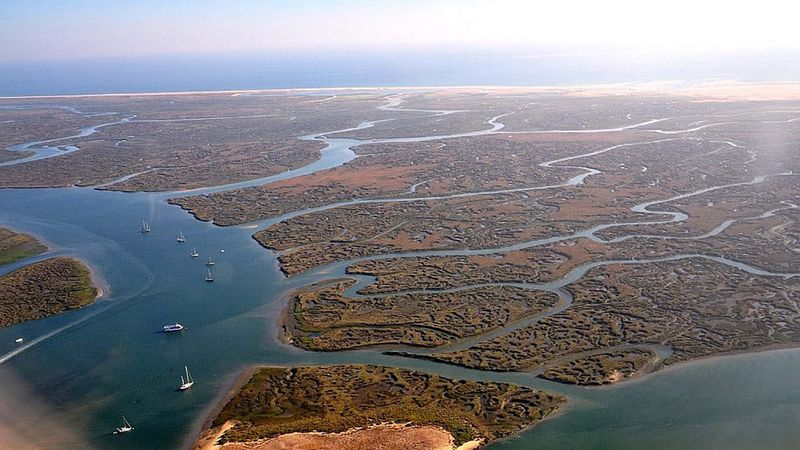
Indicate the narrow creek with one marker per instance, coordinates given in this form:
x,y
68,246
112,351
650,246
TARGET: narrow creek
x,y
109,360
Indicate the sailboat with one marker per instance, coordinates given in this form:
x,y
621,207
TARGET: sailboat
x,y
210,262
187,382
145,227
180,237
194,253
124,428
209,277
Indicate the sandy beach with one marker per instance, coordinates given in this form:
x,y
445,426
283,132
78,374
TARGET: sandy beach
x,y
717,89
378,437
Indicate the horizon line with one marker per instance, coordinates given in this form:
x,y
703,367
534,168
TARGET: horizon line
x,y
706,81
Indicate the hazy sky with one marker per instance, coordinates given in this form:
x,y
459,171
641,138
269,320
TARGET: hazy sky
x,y
44,30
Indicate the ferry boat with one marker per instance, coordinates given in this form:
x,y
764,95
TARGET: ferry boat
x,y
180,237
126,427
187,382
210,276
145,227
194,253
173,328
210,262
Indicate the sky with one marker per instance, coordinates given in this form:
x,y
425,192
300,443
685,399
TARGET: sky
x,y
52,30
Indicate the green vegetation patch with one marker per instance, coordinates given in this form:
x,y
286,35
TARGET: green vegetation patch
x,y
603,368
325,319
43,289
277,401
15,246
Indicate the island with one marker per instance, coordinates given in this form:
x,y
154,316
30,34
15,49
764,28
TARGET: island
x,y
15,246
45,288
347,407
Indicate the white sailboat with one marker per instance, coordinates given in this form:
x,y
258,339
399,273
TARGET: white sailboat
x,y
180,237
187,382
210,276
145,227
126,427
194,253
210,262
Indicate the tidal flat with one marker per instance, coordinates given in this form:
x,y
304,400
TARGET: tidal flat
x,y
592,239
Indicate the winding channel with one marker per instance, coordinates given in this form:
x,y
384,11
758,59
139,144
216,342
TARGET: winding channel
x,y
338,151
41,150
557,286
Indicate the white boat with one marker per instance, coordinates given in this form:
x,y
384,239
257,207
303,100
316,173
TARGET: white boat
x,y
126,427
194,253
145,227
18,340
173,328
210,262
210,276
180,237
187,382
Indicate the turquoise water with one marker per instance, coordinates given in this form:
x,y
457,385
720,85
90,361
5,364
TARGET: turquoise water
x,y
115,361
740,402
110,360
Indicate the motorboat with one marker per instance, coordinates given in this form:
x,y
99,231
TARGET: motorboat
x,y
173,328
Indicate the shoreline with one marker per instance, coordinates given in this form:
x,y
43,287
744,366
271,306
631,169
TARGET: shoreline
x,y
639,376
97,281
711,359
200,432
655,86
246,372
207,436
209,439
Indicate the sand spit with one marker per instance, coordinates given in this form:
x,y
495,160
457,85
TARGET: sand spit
x,y
378,437
718,89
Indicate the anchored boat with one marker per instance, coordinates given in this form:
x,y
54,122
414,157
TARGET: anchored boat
x,y
145,227
180,237
173,328
210,262
126,427
187,382
210,276
194,253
